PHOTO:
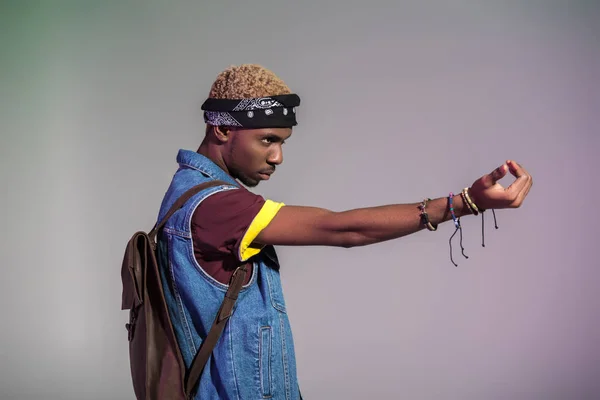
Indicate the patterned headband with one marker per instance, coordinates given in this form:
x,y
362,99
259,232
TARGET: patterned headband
x,y
265,112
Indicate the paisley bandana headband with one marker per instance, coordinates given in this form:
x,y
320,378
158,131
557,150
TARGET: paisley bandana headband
x,y
265,112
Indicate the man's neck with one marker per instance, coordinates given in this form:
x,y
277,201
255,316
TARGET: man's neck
x,y
212,154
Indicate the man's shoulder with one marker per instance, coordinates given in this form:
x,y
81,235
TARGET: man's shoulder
x,y
228,204
231,196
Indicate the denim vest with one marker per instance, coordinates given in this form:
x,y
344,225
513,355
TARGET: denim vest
x,y
254,358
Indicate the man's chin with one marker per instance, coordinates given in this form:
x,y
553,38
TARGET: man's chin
x,y
249,182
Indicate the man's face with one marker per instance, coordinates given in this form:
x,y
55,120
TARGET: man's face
x,y
254,153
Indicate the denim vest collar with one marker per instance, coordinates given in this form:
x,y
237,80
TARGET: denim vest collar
x,y
199,162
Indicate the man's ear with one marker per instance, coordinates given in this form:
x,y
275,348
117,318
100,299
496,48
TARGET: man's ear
x,y
222,133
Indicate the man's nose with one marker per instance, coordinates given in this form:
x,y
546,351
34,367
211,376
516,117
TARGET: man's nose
x,y
276,156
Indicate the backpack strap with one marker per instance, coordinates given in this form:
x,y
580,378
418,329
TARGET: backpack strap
x,y
225,311
181,201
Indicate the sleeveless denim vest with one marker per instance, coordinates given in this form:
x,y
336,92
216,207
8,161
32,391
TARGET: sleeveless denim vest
x,y
254,358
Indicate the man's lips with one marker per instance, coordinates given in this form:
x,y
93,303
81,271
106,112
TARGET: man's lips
x,y
266,174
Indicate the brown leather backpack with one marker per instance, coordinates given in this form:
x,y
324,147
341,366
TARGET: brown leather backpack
x,y
157,368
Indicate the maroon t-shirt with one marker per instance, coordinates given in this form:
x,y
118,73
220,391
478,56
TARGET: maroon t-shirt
x,y
218,226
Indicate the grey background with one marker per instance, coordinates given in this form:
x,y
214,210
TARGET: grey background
x,y
399,101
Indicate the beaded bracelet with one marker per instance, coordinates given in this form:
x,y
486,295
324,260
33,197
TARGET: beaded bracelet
x,y
425,216
456,221
470,204
458,229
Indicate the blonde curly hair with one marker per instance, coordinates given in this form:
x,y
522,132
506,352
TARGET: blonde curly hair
x,y
247,81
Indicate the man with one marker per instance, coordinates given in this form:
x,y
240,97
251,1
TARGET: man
x,y
250,113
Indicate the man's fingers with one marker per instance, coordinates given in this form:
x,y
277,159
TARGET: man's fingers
x,y
525,191
498,173
520,187
516,188
515,168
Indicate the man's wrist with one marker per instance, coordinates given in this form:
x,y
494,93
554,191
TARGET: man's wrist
x,y
440,212
460,207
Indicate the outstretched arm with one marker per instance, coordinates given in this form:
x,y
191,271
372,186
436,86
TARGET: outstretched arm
x,y
298,226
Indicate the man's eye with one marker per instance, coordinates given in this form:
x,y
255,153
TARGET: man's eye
x,y
271,140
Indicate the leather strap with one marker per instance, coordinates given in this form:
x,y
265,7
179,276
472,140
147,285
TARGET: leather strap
x,y
225,311
181,201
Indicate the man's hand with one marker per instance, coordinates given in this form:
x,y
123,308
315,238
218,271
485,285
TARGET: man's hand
x,y
487,193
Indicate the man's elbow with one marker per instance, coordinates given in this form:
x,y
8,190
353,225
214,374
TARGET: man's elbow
x,y
352,239
339,231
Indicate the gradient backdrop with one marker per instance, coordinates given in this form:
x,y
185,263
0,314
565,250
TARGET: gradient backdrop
x,y
399,101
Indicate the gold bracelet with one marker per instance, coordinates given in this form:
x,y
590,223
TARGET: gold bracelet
x,y
462,194
470,203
